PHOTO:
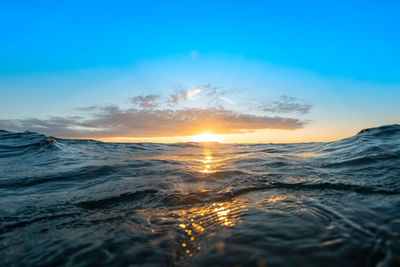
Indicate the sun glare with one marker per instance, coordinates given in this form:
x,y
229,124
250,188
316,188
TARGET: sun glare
x,y
207,137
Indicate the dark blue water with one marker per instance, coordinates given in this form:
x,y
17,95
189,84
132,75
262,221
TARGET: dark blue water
x,y
88,203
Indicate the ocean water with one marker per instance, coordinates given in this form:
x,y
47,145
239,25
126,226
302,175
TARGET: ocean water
x,y
88,203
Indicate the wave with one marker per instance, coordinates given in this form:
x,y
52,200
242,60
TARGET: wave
x,y
196,204
10,140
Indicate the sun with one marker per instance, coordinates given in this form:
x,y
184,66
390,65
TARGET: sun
x,y
207,137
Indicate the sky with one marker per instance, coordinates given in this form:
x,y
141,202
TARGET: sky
x,y
165,71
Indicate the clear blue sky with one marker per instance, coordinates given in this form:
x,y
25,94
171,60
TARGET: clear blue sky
x,y
357,39
52,51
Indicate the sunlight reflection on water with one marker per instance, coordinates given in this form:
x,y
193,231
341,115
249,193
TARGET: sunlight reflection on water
x,y
198,222
209,163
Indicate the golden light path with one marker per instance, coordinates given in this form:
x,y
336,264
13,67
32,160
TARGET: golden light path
x,y
209,164
203,216
201,221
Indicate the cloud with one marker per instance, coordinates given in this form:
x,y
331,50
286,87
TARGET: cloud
x,y
213,95
217,95
216,91
90,108
190,94
287,104
111,121
181,95
147,101
176,97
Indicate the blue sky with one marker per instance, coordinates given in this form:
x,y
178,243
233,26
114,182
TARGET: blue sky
x,y
341,57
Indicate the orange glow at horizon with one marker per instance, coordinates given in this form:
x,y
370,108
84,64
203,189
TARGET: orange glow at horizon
x,y
324,133
207,137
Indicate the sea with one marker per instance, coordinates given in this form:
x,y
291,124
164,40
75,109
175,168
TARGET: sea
x,y
66,202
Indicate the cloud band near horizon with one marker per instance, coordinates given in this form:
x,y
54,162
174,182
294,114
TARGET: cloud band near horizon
x,y
155,116
112,121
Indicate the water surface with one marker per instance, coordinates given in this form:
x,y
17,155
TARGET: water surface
x,y
88,203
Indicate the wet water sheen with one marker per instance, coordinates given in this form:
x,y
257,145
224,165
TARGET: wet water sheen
x,y
88,203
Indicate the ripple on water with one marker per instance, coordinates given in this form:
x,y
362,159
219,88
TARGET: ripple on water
x,y
83,202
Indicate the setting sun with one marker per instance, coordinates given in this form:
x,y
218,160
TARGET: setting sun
x,y
207,137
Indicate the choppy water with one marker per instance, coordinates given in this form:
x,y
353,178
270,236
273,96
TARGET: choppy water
x,y
82,202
